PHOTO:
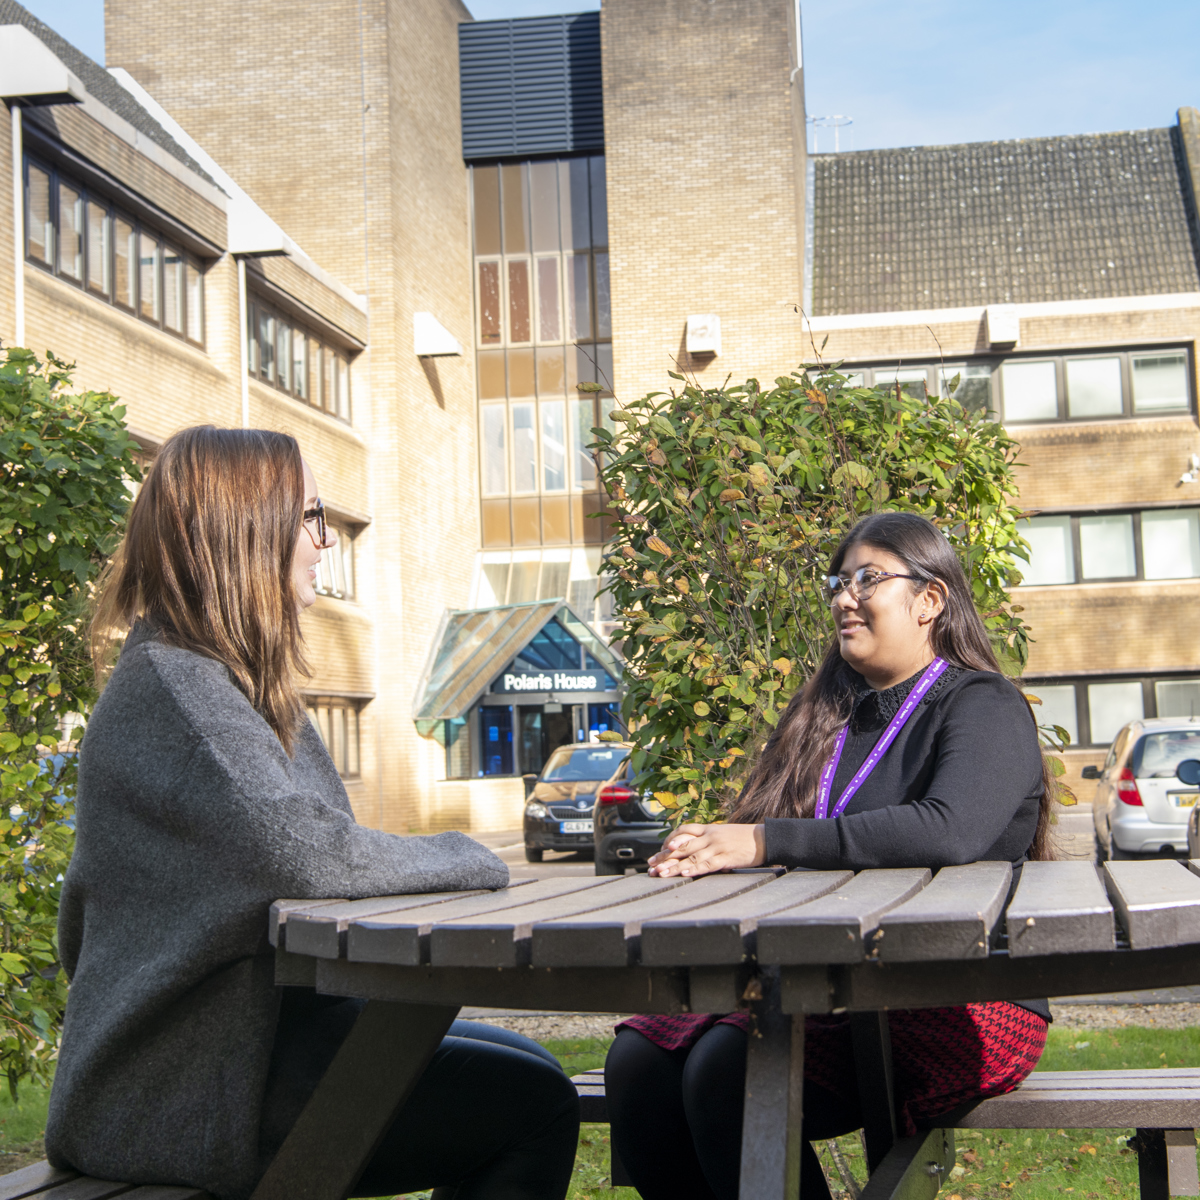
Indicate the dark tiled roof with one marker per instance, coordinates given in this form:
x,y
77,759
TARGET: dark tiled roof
x,y
100,84
1061,218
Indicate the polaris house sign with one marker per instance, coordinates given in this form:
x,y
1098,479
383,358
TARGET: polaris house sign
x,y
550,681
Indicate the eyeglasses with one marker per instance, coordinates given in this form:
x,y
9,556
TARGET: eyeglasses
x,y
862,584
317,513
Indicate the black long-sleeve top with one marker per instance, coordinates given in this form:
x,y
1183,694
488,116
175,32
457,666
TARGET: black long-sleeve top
x,y
961,783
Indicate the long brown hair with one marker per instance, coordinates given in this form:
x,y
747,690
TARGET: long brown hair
x,y
783,782
207,556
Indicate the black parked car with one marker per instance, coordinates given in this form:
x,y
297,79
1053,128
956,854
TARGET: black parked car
x,y
558,810
628,827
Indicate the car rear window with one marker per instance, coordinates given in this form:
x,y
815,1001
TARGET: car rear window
x,y
1158,754
569,763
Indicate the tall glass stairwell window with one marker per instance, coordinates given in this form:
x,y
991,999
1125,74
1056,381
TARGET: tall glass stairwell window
x,y
543,326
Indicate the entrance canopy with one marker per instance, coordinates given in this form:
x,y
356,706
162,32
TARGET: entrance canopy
x,y
522,651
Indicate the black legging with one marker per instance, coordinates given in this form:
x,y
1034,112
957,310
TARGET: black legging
x,y
492,1118
676,1117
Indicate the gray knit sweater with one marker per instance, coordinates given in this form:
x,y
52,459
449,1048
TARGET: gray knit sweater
x,y
191,821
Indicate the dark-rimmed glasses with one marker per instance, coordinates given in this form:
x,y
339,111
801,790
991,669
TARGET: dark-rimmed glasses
x,y
862,584
317,513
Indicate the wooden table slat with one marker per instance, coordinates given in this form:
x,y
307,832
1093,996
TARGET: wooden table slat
x,y
282,909
502,939
1060,908
85,1188
321,932
718,934
952,918
836,927
1157,900
403,937
611,937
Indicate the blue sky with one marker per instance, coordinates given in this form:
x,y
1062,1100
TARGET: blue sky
x,y
926,72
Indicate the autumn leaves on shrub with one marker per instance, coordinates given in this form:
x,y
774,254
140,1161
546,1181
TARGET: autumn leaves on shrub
x,y
730,503
65,461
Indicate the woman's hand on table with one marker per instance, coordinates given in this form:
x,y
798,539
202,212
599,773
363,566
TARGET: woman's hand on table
x,y
702,849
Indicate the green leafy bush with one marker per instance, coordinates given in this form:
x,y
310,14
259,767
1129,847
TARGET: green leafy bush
x,y
64,463
731,501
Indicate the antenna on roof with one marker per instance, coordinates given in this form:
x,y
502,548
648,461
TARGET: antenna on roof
x,y
836,123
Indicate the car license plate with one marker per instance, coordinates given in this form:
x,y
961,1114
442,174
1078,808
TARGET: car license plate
x,y
1184,799
575,827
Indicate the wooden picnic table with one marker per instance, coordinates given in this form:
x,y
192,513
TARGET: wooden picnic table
x,y
782,945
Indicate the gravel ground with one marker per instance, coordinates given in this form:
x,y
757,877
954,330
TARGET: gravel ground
x,y
571,1026
1113,1016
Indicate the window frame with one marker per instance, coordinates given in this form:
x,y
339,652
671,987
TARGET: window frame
x,y
1125,352
112,214
316,702
1138,545
323,388
1081,683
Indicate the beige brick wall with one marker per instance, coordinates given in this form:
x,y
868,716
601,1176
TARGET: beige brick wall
x,y
378,198
1139,626
109,152
705,171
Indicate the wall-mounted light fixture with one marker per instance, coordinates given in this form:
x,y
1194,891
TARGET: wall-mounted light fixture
x,y
1192,473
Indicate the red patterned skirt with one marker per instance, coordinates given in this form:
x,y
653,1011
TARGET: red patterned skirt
x,y
942,1057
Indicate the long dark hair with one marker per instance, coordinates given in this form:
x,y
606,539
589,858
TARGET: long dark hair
x,y
207,555
783,782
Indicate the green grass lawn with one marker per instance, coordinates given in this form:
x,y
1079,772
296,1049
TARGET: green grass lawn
x,y
1086,1164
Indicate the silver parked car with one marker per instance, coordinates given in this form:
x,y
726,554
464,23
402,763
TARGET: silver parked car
x,y
1144,800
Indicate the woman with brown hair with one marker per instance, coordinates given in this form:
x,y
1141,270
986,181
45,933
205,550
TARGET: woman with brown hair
x,y
204,795
908,747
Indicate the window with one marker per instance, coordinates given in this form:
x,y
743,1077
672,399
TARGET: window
x,y
543,322
1159,543
1051,552
79,237
295,361
1094,387
1057,708
336,720
1074,387
335,571
1160,382
1106,546
1030,391
1111,706
522,576
1100,707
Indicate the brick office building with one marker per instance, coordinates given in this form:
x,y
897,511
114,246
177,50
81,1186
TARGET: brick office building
x,y
558,200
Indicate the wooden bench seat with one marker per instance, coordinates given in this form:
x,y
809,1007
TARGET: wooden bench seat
x,y
1162,1105
41,1181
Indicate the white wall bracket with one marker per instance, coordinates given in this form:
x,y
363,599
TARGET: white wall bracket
x,y
431,339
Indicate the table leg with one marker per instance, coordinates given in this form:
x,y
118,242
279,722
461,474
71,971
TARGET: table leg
x,y
872,1042
774,1099
368,1081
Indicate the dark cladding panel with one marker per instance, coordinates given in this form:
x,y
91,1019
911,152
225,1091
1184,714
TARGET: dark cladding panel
x,y
531,86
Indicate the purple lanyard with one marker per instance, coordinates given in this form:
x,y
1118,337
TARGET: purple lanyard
x,y
927,680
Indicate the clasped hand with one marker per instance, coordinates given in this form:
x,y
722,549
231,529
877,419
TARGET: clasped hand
x,y
702,849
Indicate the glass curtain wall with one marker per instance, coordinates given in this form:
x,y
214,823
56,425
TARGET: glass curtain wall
x,y
543,326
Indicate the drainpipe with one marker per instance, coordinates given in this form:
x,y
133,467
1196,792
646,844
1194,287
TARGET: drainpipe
x,y
244,342
18,197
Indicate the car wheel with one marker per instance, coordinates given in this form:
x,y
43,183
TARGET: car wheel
x,y
532,855
1116,854
607,868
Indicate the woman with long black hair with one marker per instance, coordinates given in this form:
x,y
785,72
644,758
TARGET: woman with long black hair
x,y
908,747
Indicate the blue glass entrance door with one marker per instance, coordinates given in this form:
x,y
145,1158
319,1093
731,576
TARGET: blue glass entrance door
x,y
496,739
602,718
